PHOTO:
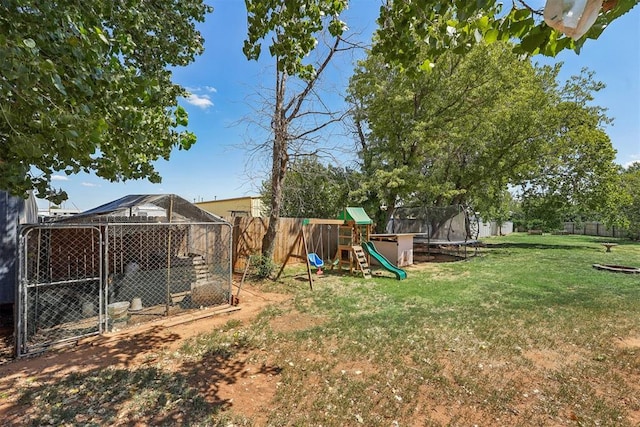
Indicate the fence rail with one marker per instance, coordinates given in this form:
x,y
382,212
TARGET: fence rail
x,y
593,228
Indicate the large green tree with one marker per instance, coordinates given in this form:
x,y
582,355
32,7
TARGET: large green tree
x,y
453,135
314,190
630,208
86,86
578,175
477,125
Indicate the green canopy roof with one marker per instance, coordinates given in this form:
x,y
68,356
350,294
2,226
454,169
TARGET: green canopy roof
x,y
356,214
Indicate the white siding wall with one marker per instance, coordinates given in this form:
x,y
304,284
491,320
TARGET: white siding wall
x,y
487,229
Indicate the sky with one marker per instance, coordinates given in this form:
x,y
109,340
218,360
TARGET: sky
x,y
226,88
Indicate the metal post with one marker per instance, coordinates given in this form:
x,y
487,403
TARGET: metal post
x,y
170,214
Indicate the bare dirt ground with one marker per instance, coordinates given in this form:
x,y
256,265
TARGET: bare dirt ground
x,y
247,388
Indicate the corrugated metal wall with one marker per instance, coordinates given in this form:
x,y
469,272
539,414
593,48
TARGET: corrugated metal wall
x,y
14,211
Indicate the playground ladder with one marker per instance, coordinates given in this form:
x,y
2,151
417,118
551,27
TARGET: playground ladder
x,y
361,258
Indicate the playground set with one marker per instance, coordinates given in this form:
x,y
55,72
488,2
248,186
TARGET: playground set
x,y
354,247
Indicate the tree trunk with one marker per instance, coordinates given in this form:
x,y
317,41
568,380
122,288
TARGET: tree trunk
x,y
280,159
283,115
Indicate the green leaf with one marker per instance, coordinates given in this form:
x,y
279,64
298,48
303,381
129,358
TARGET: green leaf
x,y
427,65
71,134
57,82
101,35
521,14
483,23
535,40
491,36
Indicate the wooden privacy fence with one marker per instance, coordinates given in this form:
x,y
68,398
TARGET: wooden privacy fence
x,y
249,231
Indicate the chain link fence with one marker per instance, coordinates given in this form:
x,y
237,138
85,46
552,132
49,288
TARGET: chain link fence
x,y
163,269
76,281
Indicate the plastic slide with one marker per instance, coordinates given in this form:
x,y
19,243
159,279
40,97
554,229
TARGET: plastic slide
x,y
315,260
371,248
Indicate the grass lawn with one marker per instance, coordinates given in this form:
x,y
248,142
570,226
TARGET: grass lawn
x,y
527,333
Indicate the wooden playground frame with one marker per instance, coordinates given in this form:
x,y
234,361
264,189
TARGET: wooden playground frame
x,y
350,236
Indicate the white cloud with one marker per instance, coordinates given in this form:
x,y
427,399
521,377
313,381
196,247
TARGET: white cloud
x,y
202,101
59,178
634,158
196,89
628,164
89,184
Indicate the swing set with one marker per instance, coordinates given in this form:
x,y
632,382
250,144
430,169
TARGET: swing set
x,y
313,248
353,227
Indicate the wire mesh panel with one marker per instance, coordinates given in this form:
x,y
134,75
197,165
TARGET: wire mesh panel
x,y
160,269
60,286
409,220
447,223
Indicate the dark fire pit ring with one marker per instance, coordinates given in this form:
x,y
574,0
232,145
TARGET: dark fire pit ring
x,y
617,268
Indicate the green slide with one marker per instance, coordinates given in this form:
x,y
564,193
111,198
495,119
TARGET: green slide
x,y
371,248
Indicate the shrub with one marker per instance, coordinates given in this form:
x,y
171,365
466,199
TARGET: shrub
x,y
262,266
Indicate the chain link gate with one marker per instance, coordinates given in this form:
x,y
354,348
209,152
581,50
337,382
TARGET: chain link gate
x,y
59,286
81,280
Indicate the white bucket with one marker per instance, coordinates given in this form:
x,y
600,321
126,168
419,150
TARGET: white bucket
x,y
118,310
136,304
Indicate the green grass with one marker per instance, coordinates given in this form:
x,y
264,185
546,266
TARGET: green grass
x,y
526,333
529,309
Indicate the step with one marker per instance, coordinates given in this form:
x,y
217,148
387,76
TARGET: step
x,y
362,261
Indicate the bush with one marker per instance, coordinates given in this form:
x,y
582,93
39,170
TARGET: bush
x,y
535,224
262,266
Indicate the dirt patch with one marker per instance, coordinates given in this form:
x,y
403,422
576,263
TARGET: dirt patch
x,y
244,384
295,321
550,359
628,343
241,384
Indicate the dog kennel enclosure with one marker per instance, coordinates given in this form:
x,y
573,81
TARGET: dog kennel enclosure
x,y
134,260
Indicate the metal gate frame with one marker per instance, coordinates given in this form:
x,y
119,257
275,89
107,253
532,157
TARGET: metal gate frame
x,y
30,282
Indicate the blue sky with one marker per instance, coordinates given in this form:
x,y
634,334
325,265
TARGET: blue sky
x,y
224,86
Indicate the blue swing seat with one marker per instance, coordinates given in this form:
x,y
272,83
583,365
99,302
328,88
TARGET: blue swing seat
x,y
315,260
